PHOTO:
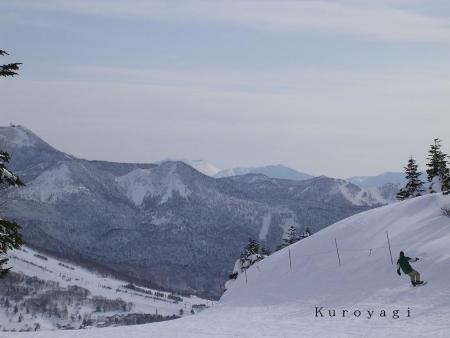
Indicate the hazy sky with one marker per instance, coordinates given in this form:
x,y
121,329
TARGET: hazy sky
x,y
340,88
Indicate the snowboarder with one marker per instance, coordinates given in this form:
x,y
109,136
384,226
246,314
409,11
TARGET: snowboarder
x,y
403,263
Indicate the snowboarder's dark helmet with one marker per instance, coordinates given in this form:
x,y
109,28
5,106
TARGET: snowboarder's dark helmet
x,y
402,253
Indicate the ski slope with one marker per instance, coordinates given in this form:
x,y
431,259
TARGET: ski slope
x,y
273,300
46,268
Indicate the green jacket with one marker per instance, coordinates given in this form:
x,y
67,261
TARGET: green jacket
x,y
403,263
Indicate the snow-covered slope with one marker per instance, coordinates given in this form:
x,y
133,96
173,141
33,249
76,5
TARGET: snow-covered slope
x,y
77,295
273,171
162,181
202,166
272,300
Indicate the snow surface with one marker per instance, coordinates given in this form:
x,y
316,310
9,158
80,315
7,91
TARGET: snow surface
x,y
36,264
265,226
275,301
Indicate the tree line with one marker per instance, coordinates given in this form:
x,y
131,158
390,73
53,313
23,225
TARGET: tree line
x,y
10,237
438,174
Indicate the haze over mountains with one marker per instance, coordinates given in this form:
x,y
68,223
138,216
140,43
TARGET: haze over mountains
x,y
378,182
166,223
274,171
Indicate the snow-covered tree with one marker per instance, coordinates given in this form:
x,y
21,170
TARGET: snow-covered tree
x,y
252,248
414,185
438,171
291,237
252,253
306,233
10,237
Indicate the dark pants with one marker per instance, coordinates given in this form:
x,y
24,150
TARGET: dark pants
x,y
415,276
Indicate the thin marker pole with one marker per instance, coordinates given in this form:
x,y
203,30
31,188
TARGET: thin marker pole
x,y
389,244
290,261
245,272
337,251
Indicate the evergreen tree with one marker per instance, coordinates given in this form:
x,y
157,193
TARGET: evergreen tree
x,y
413,186
10,237
10,68
250,256
446,185
291,237
252,248
438,172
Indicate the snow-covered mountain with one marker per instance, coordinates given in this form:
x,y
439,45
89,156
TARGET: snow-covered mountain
x,y
166,223
385,186
273,171
378,180
388,178
202,166
44,293
361,297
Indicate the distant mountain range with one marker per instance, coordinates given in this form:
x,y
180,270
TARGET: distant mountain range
x,y
273,171
382,185
166,223
378,180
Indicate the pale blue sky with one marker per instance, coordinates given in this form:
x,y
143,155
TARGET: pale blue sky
x,y
339,88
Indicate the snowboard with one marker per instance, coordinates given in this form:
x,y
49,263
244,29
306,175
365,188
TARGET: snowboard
x,y
424,283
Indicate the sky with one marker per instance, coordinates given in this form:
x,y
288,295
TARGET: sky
x,y
339,88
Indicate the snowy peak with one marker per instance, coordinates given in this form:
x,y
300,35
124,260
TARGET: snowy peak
x,y
17,136
273,171
31,156
52,185
163,182
203,167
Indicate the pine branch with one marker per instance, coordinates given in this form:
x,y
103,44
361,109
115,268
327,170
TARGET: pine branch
x,y
9,69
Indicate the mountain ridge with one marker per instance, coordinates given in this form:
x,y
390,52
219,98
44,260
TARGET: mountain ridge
x,y
166,223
